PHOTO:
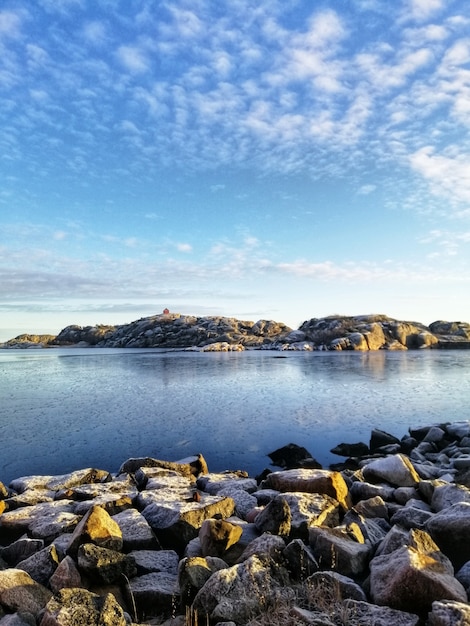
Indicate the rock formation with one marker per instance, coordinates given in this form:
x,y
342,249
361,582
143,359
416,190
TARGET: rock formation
x,y
175,331
382,538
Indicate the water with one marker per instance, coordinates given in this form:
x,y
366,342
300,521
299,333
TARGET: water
x,y
65,409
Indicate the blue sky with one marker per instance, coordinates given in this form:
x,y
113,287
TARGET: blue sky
x,y
273,159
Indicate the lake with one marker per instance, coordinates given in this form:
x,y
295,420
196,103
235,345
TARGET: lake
x,y
66,409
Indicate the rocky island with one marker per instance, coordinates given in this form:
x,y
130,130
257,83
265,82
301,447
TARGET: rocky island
x,y
381,538
215,333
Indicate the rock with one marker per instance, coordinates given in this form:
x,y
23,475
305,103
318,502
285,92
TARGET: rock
x,y
410,580
291,456
74,607
41,521
244,502
65,481
103,565
217,536
18,619
309,509
360,613
463,575
149,561
153,594
20,550
193,573
444,496
178,522
344,587
41,565
379,438
275,518
65,575
450,529
372,507
266,545
214,483
238,592
449,613
411,517
363,491
351,449
135,530
96,527
335,549
396,470
310,481
19,592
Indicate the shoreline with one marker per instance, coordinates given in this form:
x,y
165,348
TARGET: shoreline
x,y
136,540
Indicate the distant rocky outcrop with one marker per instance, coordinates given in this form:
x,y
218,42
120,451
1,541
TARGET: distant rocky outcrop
x,y
218,333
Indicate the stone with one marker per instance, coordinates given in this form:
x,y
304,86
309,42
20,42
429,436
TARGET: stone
x,y
360,490
450,529
213,483
310,481
176,523
411,517
449,613
153,594
41,565
46,520
410,580
301,560
396,470
19,592
463,575
103,565
335,549
18,619
351,449
275,518
148,561
77,607
343,586
217,536
446,495
20,550
97,527
266,545
244,501
372,507
379,438
135,530
193,573
65,575
240,591
290,456
360,613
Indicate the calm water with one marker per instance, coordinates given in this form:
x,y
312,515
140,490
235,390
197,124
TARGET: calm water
x,y
66,409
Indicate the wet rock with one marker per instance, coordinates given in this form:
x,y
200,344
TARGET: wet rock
x,y
351,449
291,456
379,438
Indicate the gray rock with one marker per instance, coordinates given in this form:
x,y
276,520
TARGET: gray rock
x,y
41,565
364,491
411,517
449,613
213,483
344,587
103,565
193,573
446,495
300,559
450,529
217,536
41,521
148,561
266,545
18,619
396,470
360,613
65,575
20,550
19,592
275,518
335,549
135,530
74,607
154,594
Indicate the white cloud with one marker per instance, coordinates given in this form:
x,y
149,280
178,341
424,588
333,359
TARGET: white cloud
x,y
184,247
10,24
133,59
421,10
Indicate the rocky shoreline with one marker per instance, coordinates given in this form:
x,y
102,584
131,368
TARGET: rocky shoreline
x,y
381,538
215,333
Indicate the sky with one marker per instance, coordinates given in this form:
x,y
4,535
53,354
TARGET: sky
x,y
258,159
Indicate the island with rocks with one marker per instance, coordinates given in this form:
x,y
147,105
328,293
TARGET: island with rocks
x,y
215,333
382,538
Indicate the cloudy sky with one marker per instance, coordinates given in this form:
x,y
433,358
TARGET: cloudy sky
x,y
277,159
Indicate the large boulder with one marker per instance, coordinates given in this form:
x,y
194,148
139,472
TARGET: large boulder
x,y
19,592
97,527
450,529
71,607
395,469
